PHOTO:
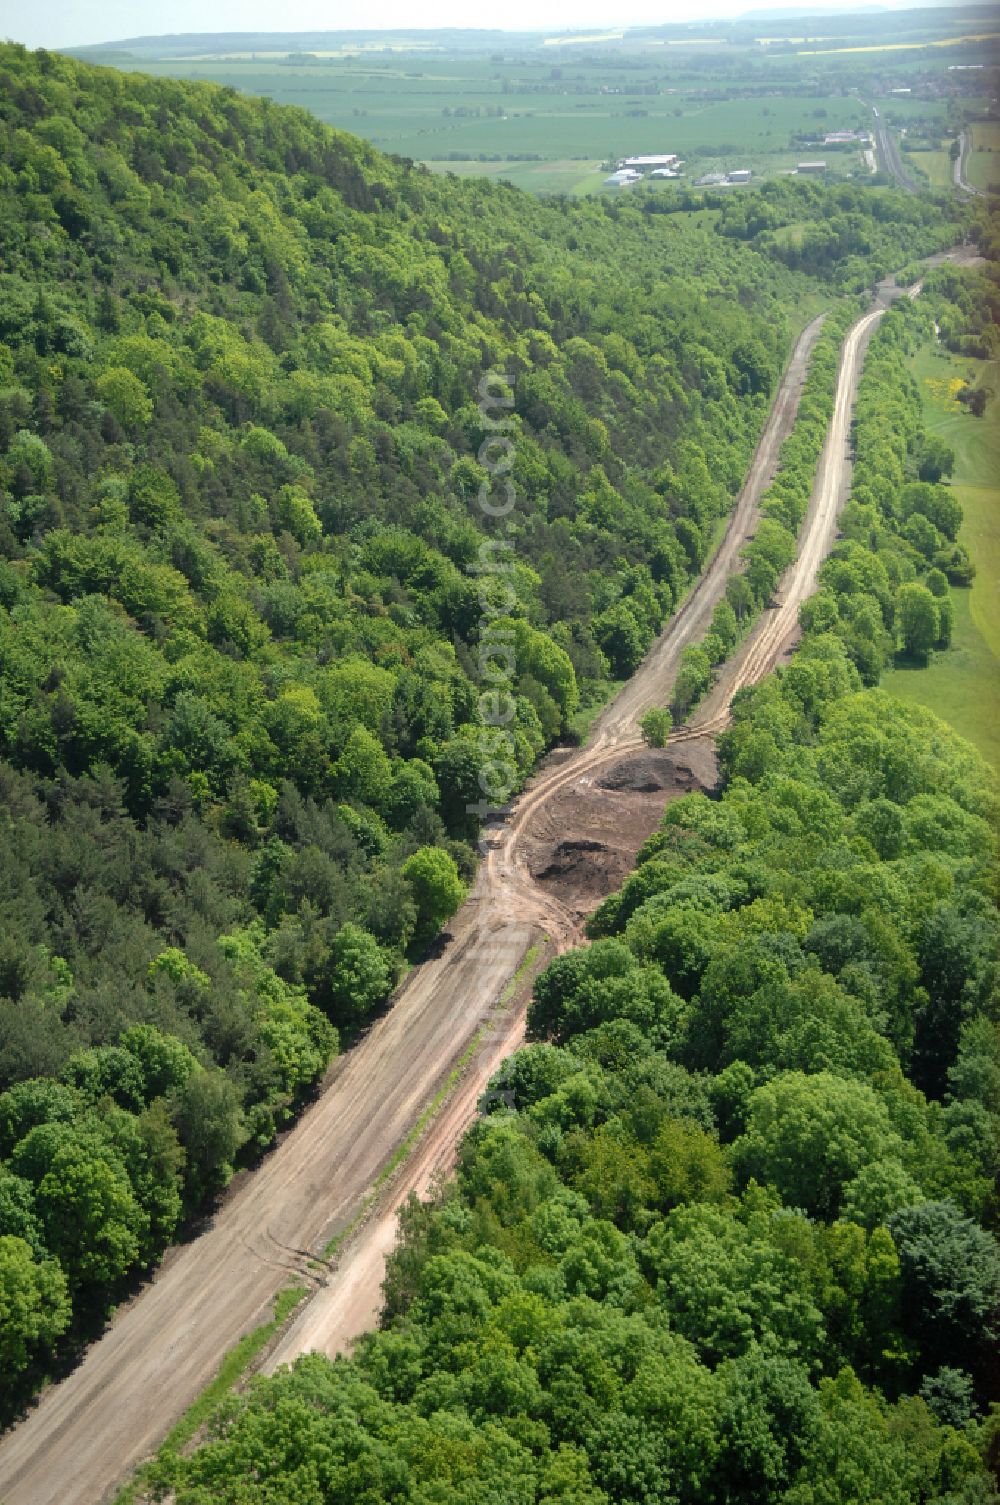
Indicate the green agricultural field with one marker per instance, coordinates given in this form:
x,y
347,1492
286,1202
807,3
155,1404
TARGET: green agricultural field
x,y
910,111
572,177
963,685
983,161
547,113
485,113
935,167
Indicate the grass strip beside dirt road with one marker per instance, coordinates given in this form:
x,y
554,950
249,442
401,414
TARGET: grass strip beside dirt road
x,y
962,685
234,1366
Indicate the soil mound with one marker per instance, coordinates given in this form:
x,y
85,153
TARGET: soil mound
x,y
584,871
647,774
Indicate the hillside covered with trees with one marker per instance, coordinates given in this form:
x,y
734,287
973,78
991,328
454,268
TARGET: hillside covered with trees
x,y
241,595
723,1231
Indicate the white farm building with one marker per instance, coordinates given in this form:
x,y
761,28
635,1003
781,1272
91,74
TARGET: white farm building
x,y
644,164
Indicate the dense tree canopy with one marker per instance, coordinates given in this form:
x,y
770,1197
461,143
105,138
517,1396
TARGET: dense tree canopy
x,y
720,1236
250,537
885,587
256,575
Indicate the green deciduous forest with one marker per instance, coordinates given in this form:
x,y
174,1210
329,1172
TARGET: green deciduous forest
x,y
722,1231
772,547
730,1236
885,587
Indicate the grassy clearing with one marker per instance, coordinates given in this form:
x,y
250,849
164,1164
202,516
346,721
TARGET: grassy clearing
x,y
935,166
963,685
790,235
982,164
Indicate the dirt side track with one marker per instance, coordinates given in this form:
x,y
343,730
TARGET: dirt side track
x,y
88,1432
565,801
960,164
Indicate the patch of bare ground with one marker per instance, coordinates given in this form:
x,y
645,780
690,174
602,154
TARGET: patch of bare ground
x,y
569,841
584,841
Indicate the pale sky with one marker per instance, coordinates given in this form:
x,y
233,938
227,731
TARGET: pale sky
x,y
72,23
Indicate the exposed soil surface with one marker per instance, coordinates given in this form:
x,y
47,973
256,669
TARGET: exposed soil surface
x,y
959,166
569,841
584,841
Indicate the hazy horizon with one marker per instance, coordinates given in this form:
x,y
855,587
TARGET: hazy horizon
x,y
80,23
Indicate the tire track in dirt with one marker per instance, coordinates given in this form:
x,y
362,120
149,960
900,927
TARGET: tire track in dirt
x,y
959,166
349,1306
88,1432
333,1318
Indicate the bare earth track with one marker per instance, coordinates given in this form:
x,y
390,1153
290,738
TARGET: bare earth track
x,y
538,878
959,165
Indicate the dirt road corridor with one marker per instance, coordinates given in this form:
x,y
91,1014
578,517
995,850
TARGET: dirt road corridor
x,y
538,878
